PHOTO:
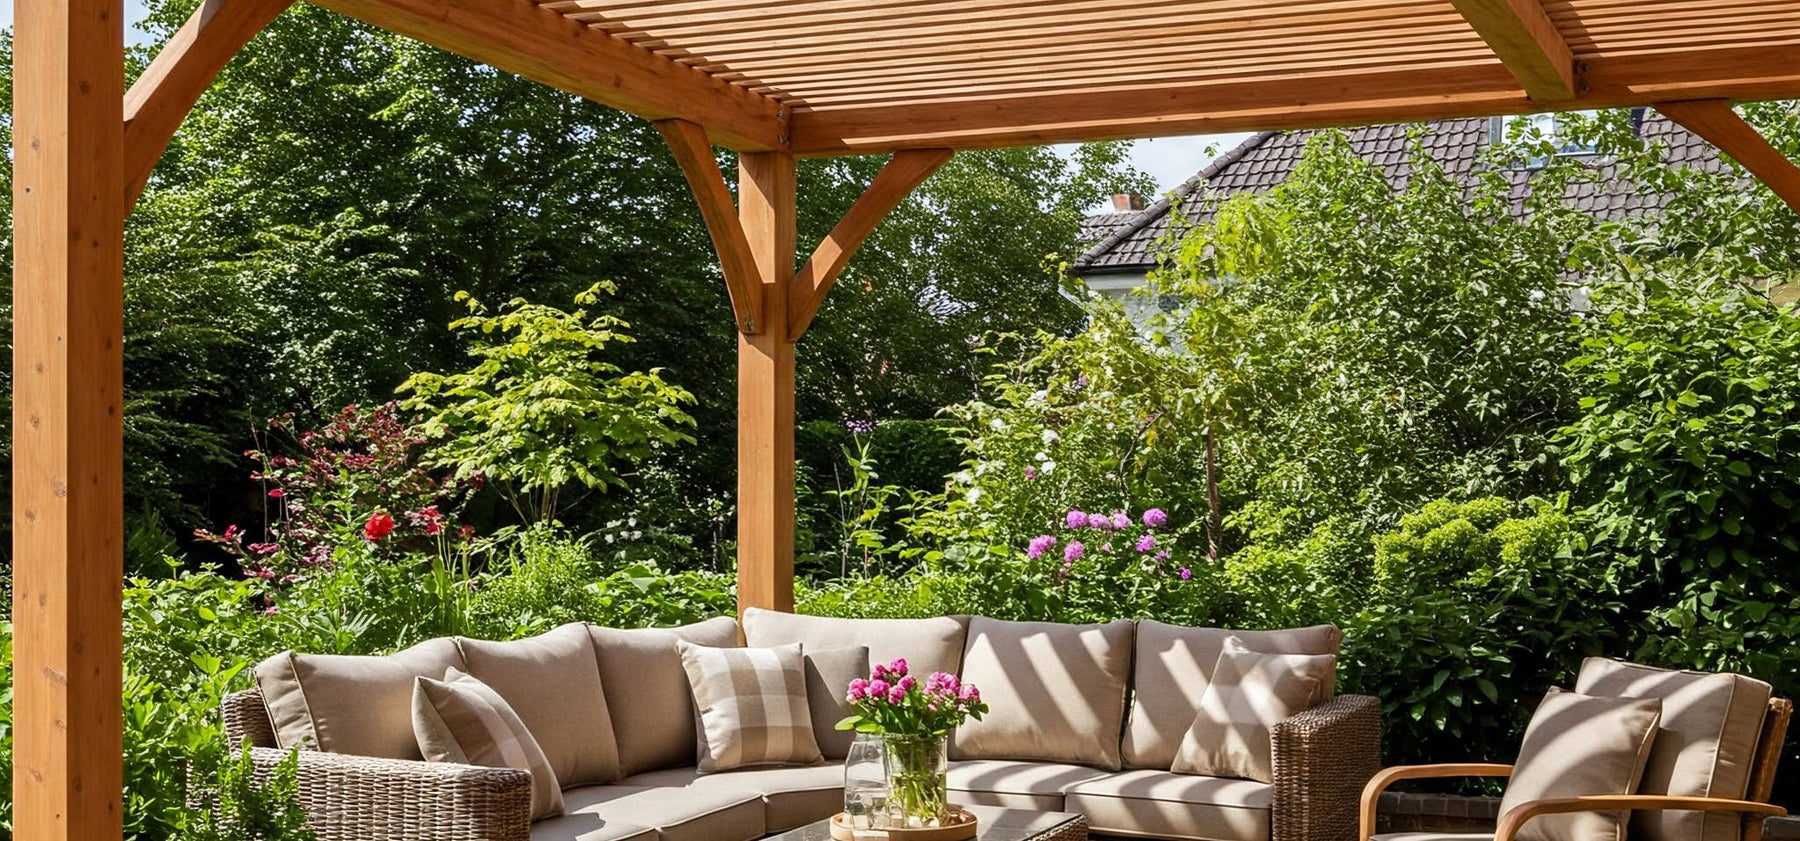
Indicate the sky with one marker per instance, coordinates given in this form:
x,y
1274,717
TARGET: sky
x,y
1168,160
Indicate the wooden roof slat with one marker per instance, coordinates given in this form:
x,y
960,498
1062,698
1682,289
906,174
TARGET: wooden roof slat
x,y
673,15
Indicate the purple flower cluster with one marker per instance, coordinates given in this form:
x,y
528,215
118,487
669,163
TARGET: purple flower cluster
x,y
893,701
1114,525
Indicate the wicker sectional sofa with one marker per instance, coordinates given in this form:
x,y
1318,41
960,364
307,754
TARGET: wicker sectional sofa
x,y
1085,719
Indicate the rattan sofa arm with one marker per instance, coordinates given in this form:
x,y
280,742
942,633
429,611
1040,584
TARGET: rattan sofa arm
x,y
1371,794
1322,757
354,798
1518,815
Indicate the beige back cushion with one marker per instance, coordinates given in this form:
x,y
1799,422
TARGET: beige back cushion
x,y
1056,692
1174,665
929,645
460,719
752,706
1705,745
1249,694
647,690
553,682
1580,745
828,674
342,703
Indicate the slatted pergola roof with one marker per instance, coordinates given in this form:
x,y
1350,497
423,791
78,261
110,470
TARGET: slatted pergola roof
x,y
772,80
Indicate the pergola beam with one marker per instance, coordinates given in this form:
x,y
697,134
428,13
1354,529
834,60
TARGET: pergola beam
x,y
1292,101
1717,123
161,98
902,174
68,437
519,36
1527,42
743,280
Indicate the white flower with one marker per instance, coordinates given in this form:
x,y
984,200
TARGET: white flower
x,y
1050,437
1537,295
998,425
962,477
1041,456
1046,467
1040,395
973,495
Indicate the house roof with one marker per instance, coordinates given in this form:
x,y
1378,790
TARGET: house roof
x,y
1128,242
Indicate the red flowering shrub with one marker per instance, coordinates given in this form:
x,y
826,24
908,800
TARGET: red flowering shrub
x,y
336,489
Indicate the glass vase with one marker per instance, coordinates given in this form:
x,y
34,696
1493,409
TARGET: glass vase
x,y
865,783
918,793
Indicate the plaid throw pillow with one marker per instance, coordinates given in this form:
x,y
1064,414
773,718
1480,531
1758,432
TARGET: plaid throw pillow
x,y
752,706
460,719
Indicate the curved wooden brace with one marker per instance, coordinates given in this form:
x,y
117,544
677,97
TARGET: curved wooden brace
x,y
1518,815
904,172
1386,777
1718,124
161,98
694,153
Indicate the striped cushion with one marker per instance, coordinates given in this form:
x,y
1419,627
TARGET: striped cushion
x,y
752,706
460,719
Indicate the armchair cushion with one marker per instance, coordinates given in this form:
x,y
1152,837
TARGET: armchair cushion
x,y
1705,745
647,690
1580,745
752,706
460,719
341,703
1174,664
1249,694
1158,804
553,682
1057,691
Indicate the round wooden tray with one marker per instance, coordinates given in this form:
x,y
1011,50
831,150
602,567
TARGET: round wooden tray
x,y
959,826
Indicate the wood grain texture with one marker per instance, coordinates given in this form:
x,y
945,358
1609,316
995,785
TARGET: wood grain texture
x,y
1720,125
1527,42
902,174
68,499
519,37
743,281
162,96
1386,777
766,207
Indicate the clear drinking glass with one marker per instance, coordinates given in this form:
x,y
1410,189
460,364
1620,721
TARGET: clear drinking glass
x,y
866,783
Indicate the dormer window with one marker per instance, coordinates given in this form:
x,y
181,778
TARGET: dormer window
x,y
1554,128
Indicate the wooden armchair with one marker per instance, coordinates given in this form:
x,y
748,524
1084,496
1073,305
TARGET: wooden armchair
x,y
1754,809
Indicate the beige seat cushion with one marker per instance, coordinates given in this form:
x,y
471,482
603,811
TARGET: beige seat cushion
x,y
462,720
647,690
678,814
1159,804
1248,695
587,827
929,645
1173,666
752,706
342,703
1015,785
1579,745
1705,745
553,682
1056,692
1433,836
793,796
828,674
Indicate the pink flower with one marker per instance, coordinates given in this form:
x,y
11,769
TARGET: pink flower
x,y
878,688
1077,518
969,694
1156,518
1098,520
898,667
277,493
1121,520
264,548
907,683
271,610
1186,573
1073,551
858,690
378,526
1146,543
896,694
1039,545
1162,555
1030,474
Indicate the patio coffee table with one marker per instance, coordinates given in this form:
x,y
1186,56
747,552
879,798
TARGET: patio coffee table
x,y
995,824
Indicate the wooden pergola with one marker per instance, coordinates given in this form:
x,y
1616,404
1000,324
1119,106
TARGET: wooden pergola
x,y
772,80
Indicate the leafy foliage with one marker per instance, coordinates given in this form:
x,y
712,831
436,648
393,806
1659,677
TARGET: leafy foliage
x,y
244,808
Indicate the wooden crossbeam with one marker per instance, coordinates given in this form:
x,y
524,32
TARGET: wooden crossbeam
x,y
1716,122
1290,101
1527,42
694,153
519,36
902,174
161,98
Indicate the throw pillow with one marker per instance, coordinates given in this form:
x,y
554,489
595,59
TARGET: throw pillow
x,y
752,706
552,681
460,719
1056,692
1579,745
1249,694
343,703
647,692
828,673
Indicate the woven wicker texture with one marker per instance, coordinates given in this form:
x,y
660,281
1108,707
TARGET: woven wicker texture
x,y
1323,757
355,798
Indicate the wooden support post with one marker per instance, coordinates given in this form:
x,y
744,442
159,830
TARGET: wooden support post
x,y
766,209
68,509
1716,122
1527,42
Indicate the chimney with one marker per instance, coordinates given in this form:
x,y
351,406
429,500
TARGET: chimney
x,y
1128,203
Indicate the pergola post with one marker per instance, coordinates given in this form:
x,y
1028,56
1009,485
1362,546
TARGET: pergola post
x,y
68,509
767,211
